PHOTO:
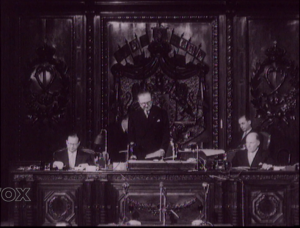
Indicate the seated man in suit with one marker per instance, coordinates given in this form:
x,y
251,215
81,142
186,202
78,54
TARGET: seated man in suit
x,y
148,128
253,156
72,155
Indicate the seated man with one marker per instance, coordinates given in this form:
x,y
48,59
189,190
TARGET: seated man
x,y
72,155
240,140
253,156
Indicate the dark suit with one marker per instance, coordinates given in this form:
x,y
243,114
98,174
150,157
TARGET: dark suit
x,y
149,134
81,157
241,158
117,140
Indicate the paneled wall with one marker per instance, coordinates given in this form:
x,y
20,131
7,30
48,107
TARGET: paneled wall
x,y
74,37
255,37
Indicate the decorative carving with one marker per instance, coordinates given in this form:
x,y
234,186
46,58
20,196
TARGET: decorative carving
x,y
277,177
229,90
60,206
56,177
154,209
96,176
267,207
215,91
89,79
20,177
46,87
274,88
161,177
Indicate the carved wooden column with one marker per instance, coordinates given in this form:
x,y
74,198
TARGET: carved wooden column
x,y
294,190
98,198
24,210
229,77
90,78
87,203
230,203
218,202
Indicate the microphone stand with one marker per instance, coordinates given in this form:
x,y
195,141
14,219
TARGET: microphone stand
x,y
123,205
99,141
162,203
174,154
105,155
197,156
206,189
161,184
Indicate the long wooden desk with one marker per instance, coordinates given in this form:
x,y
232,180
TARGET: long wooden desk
x,y
250,198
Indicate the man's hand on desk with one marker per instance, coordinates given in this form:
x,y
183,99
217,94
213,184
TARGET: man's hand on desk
x,y
265,166
83,165
156,154
58,164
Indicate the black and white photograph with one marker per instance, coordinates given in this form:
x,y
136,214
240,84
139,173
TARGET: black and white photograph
x,y
150,113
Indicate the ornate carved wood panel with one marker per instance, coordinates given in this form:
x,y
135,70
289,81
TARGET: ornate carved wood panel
x,y
60,203
139,199
267,82
268,205
51,83
255,198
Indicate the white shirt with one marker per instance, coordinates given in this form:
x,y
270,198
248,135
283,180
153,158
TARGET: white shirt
x,y
251,156
72,158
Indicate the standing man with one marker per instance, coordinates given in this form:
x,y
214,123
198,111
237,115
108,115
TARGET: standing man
x,y
148,128
72,155
246,127
254,156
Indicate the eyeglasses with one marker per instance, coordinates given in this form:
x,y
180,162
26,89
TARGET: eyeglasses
x,y
146,103
72,144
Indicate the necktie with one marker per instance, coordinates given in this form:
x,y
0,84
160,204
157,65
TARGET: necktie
x,y
147,113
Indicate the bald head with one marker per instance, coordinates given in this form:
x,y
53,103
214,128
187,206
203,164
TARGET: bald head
x,y
252,141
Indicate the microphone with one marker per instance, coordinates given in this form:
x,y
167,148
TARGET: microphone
x,y
98,139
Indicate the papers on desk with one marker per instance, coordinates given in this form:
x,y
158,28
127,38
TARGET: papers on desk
x,y
207,152
161,165
241,167
212,152
161,161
